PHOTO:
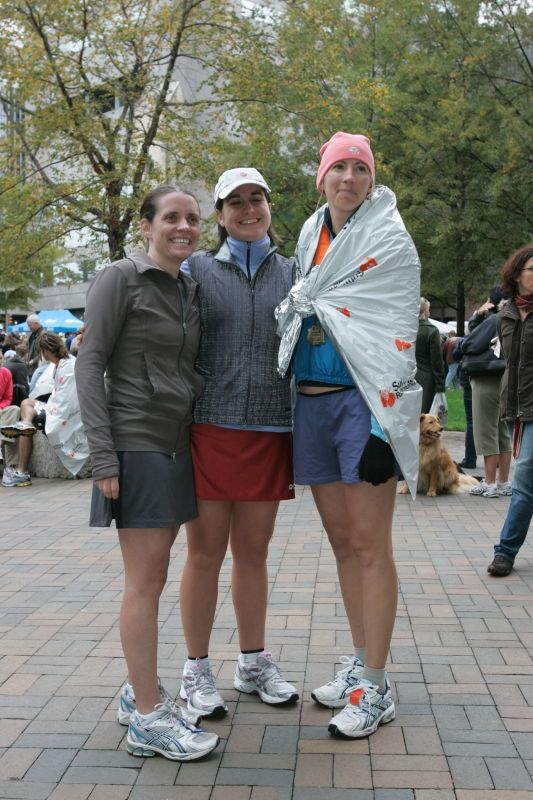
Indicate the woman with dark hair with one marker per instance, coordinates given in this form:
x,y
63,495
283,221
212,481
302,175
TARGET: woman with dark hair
x,y
142,329
241,441
515,329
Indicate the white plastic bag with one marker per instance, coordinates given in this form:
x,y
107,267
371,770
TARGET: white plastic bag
x,y
439,408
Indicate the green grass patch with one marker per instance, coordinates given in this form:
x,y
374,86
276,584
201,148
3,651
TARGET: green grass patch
x,y
456,410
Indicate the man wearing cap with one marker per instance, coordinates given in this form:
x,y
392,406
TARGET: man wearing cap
x,y
33,323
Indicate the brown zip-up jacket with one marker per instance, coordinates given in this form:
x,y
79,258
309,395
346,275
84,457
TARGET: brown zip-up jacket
x,y
516,336
142,329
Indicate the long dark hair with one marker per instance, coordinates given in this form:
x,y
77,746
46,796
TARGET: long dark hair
x,y
513,267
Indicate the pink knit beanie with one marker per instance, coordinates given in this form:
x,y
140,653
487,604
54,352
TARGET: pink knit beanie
x,y
341,147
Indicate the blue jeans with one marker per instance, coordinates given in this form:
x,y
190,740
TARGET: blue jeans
x,y
520,510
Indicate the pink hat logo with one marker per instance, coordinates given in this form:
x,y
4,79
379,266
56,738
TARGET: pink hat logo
x,y
354,149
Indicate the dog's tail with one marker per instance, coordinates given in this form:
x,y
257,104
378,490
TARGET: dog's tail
x,y
464,484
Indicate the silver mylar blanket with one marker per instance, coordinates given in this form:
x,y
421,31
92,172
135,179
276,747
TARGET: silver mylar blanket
x,y
366,295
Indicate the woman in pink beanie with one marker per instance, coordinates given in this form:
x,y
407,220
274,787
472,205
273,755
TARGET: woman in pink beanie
x,y
348,256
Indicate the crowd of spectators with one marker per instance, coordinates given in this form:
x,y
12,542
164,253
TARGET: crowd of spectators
x,y
37,389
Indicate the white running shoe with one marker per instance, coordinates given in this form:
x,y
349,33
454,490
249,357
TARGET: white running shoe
x,y
491,490
505,488
263,677
479,489
366,709
127,705
165,732
12,477
335,693
199,690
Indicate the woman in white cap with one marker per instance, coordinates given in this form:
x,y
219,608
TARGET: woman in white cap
x,y
241,441
356,309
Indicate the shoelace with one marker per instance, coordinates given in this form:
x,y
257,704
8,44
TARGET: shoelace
x,y
173,717
342,674
201,678
268,672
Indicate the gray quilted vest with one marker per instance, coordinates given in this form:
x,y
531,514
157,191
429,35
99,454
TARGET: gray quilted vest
x,y
239,344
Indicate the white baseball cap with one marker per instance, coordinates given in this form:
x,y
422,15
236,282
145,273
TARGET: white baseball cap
x,y
231,179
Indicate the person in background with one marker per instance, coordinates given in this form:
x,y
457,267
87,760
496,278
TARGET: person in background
x,y
429,362
11,342
9,414
485,370
76,341
33,323
241,442
142,329
469,460
59,417
15,362
450,363
515,329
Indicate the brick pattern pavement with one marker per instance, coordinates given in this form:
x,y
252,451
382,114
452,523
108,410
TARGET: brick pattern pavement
x,y
461,664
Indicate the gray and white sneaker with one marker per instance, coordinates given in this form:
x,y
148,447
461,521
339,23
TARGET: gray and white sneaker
x,y
20,428
12,477
263,677
335,694
505,489
480,489
199,690
165,732
127,705
366,709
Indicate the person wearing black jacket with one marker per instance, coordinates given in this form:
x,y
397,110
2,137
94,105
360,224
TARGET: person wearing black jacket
x,y
485,368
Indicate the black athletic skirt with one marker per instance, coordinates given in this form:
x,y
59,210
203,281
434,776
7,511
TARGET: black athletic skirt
x,y
156,491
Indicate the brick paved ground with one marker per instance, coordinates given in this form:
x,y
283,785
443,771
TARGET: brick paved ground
x,y
460,663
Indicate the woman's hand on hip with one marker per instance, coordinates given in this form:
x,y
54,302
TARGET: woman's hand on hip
x,y
109,487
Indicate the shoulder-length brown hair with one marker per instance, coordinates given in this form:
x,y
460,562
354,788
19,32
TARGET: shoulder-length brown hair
x,y
513,267
53,344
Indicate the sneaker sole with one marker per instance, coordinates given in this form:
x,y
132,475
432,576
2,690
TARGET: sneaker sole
x,y
340,703
215,713
249,688
140,750
386,717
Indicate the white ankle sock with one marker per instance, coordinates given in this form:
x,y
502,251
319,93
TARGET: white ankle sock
x,y
249,658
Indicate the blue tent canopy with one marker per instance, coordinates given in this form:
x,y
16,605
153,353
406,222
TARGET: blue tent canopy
x,y
57,320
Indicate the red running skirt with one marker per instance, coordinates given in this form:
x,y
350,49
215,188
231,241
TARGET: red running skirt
x,y
236,465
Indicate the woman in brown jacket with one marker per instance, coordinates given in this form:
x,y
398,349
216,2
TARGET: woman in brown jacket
x,y
142,330
515,328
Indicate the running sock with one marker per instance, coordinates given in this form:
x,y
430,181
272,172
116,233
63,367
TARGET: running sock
x,y
376,676
192,662
248,657
360,653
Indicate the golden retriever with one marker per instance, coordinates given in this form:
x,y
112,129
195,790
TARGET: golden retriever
x,y
438,473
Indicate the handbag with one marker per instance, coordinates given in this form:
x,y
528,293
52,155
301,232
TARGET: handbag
x,y
439,408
